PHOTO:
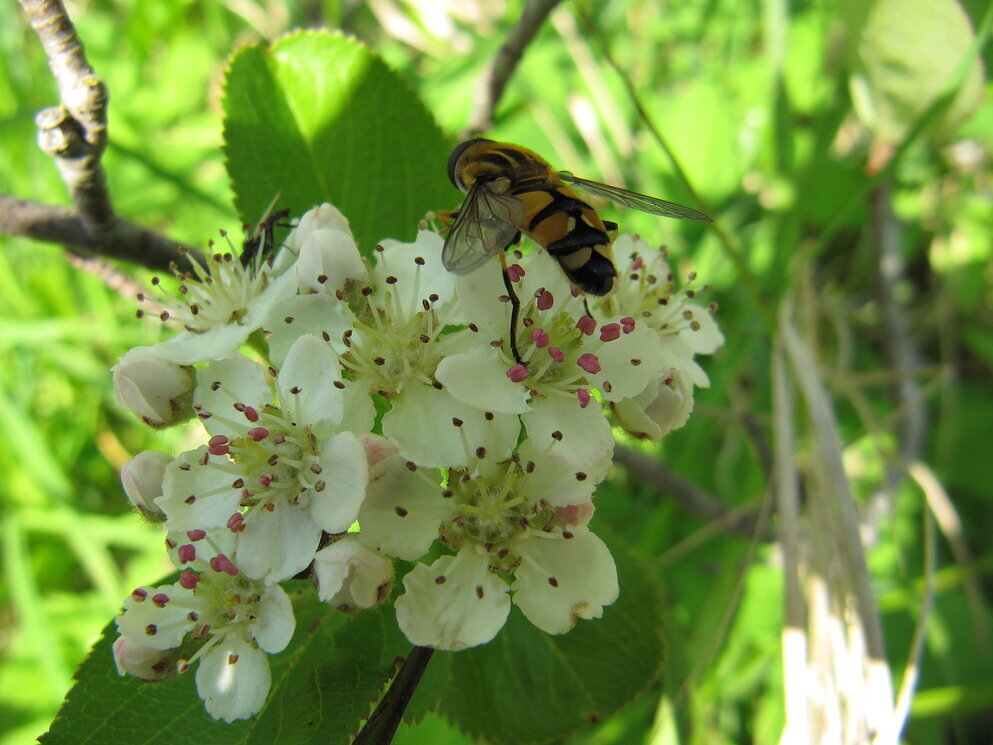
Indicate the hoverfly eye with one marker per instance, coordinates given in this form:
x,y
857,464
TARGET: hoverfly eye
x,y
453,161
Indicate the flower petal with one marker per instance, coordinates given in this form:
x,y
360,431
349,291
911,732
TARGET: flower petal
x,y
402,510
198,492
351,576
345,473
277,544
480,378
292,317
224,383
454,603
233,679
432,428
274,622
307,380
564,579
575,435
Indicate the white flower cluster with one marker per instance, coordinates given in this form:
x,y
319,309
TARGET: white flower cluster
x,y
378,413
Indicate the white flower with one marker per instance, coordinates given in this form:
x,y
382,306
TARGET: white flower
x,y
230,620
682,329
352,577
153,388
219,305
663,406
391,336
525,516
328,261
564,355
278,475
142,480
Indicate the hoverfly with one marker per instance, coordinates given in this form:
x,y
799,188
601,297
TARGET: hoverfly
x,y
511,190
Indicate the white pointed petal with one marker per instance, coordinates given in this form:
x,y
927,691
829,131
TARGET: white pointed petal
x,y
233,679
277,545
224,383
585,433
480,378
196,494
454,603
292,317
402,510
564,579
306,382
274,622
345,474
351,576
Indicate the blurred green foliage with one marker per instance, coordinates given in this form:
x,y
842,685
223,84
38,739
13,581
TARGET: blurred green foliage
x,y
755,101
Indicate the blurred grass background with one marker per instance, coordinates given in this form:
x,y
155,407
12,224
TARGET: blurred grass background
x,y
754,99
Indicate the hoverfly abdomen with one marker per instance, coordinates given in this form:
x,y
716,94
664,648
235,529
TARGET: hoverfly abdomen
x,y
511,190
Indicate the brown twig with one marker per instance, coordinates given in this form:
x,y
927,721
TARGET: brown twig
x,y
687,494
383,722
498,72
74,133
118,239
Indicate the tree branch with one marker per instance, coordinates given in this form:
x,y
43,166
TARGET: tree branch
x,y
685,493
118,238
498,72
74,133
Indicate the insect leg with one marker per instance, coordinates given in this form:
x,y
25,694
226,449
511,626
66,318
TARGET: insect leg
x,y
586,307
515,305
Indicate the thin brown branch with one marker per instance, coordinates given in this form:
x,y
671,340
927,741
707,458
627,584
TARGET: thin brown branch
x,y
74,133
687,494
498,72
383,722
118,239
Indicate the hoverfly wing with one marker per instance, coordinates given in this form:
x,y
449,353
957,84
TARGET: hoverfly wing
x,y
634,200
486,224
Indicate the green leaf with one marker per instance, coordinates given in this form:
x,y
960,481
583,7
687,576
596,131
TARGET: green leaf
x,y
527,686
902,54
323,685
319,118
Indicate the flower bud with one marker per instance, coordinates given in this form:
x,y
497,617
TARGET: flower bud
x,y
154,389
663,406
328,260
142,480
326,216
352,577
148,664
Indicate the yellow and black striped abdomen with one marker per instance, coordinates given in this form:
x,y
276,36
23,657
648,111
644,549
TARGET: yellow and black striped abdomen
x,y
570,231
